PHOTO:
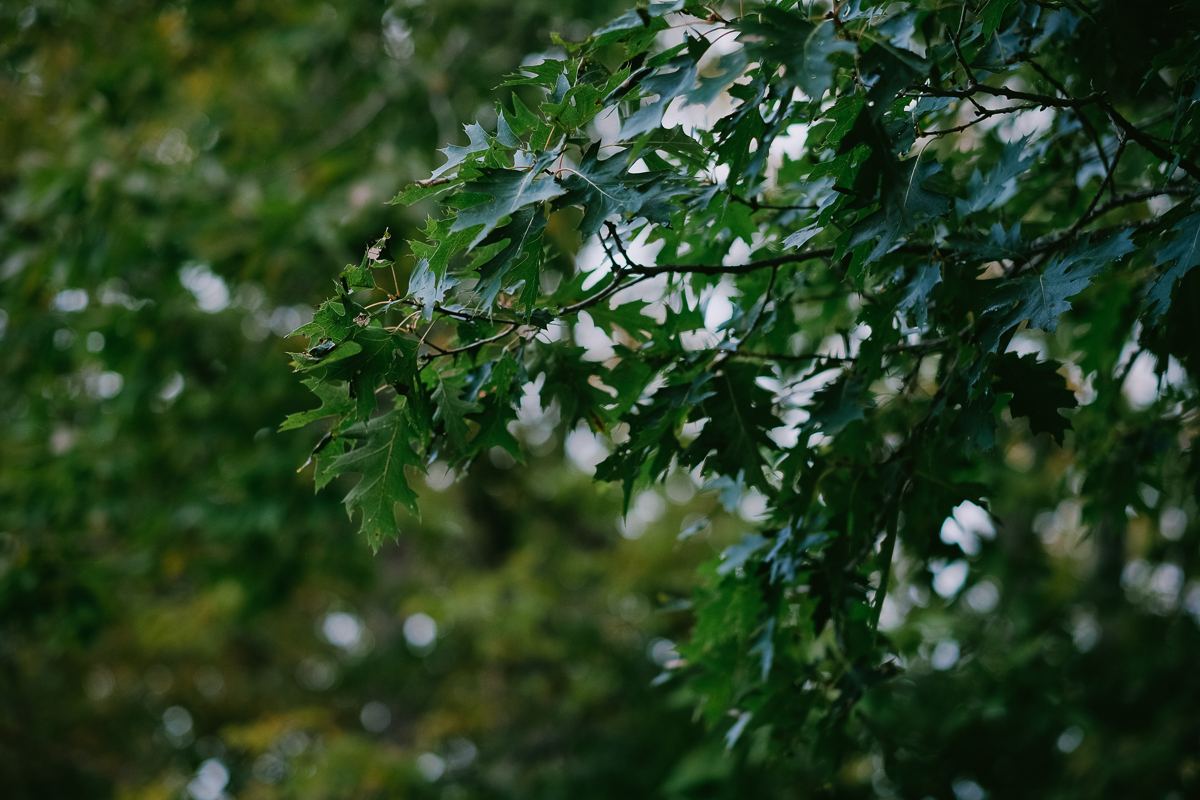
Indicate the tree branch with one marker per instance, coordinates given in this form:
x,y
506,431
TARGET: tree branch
x,y
616,237
472,346
466,316
1140,196
1083,120
1109,180
954,41
741,269
1131,130
757,206
981,115
919,347
1153,147
753,266
1041,100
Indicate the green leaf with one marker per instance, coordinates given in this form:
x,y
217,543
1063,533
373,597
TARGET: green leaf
x,y
422,189
1042,297
737,555
518,259
1183,254
522,121
497,410
983,192
675,142
335,401
804,47
428,288
1000,245
719,75
546,74
441,245
582,102
626,316
735,149
1037,389
360,277
992,14
648,17
451,409
367,360
907,205
380,459
916,294
838,404
765,648
975,424
801,237
455,154
510,190
607,187
739,416
667,86
331,322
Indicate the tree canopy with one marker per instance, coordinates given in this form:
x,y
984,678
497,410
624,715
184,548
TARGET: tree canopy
x,y
880,275
787,400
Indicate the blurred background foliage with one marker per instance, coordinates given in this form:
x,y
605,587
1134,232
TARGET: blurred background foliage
x,y
181,617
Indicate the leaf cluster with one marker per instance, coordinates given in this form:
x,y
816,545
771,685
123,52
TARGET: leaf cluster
x,y
836,248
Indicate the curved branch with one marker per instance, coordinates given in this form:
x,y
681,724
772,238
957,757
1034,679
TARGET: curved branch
x,y
603,294
466,316
1140,196
472,346
980,115
1045,100
1109,180
765,263
1144,139
741,269
919,347
1083,120
1132,131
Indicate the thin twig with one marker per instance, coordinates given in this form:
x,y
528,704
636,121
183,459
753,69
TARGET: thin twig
x,y
741,269
919,347
757,206
1140,196
472,346
1155,149
1131,130
1042,100
962,60
980,117
615,287
463,315
616,237
1083,120
1108,180
612,258
752,266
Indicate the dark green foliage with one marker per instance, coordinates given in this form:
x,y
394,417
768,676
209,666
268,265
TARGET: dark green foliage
x,y
158,552
879,318
956,279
